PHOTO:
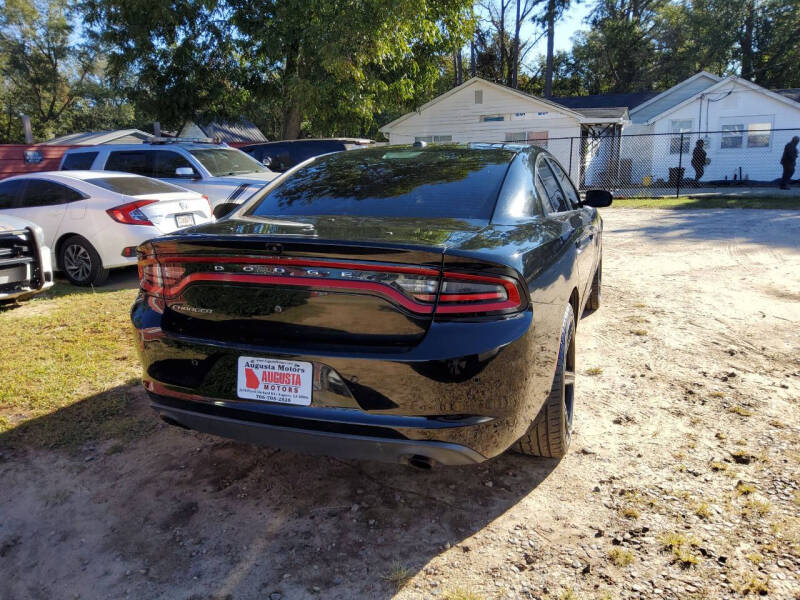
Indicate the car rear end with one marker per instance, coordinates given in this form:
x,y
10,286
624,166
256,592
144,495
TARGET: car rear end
x,y
25,263
130,209
338,335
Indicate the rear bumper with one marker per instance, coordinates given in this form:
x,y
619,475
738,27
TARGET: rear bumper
x,y
320,442
464,394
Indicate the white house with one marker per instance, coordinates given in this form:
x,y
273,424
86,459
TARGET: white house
x,y
739,122
617,140
482,111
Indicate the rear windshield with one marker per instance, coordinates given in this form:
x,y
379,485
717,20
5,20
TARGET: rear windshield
x,y
135,186
221,161
393,182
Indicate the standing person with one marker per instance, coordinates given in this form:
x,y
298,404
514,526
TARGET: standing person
x,y
788,161
699,160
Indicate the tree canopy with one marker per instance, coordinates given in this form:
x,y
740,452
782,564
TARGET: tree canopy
x,y
345,67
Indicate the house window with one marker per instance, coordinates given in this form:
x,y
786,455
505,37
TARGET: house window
x,y
516,136
732,136
434,139
759,135
487,118
478,96
681,126
538,137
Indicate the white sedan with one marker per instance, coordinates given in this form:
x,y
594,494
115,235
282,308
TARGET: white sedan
x,y
93,220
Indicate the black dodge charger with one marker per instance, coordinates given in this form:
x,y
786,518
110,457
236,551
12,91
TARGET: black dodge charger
x,y
403,303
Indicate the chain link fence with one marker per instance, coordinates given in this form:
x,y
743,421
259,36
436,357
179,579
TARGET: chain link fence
x,y
736,159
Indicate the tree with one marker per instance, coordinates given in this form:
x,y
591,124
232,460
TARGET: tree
x,y
554,10
44,72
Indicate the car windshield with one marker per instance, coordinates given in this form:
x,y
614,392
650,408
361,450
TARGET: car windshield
x,y
440,182
135,186
227,161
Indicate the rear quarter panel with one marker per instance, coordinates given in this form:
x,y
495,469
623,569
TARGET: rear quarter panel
x,y
542,252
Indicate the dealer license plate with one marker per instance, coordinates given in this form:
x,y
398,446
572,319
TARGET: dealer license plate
x,y
282,381
184,220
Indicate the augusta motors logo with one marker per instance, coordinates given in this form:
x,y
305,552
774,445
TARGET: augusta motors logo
x,y
273,380
253,381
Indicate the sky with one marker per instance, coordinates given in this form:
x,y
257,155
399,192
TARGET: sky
x,y
570,23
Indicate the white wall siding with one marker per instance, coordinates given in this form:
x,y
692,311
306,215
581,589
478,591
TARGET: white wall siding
x,y
458,116
743,106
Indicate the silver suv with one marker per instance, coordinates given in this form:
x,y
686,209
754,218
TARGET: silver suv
x,y
224,174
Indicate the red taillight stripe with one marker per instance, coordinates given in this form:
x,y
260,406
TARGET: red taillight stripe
x,y
298,262
470,297
318,284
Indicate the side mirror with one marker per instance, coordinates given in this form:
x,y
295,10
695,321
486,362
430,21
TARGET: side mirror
x,y
597,198
224,209
187,172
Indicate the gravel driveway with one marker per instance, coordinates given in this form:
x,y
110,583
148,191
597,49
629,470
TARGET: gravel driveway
x,y
682,480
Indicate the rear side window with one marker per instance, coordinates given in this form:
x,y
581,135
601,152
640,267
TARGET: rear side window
x,y
566,185
551,190
440,182
10,192
133,161
135,186
166,162
78,161
47,193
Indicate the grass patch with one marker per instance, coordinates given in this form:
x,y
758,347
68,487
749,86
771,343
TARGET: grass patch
x,y
758,586
398,576
718,466
68,364
620,557
755,508
703,510
777,424
740,410
639,332
461,594
681,548
594,371
721,201
745,489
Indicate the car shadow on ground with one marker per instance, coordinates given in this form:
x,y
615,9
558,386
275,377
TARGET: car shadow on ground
x,y
165,512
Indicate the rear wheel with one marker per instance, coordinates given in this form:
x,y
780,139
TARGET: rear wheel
x,y
81,262
593,302
551,431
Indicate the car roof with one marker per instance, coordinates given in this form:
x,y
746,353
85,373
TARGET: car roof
x,y
344,140
79,175
144,146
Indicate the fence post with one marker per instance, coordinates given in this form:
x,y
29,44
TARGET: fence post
x,y
680,167
571,139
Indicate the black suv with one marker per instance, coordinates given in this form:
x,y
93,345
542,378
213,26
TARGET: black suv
x,y
288,153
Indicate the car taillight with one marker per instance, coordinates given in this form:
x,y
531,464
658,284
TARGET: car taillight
x,y
464,293
131,213
155,278
210,208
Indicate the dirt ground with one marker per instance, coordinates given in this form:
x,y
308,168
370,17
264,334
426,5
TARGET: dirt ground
x,y
682,480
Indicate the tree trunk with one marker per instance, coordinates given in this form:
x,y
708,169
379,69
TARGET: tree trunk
x,y
747,42
551,26
459,68
472,69
502,33
292,120
515,51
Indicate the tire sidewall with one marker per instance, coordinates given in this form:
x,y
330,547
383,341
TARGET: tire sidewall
x,y
96,267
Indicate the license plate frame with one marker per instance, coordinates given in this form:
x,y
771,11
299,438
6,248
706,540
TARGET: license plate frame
x,y
184,220
274,380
